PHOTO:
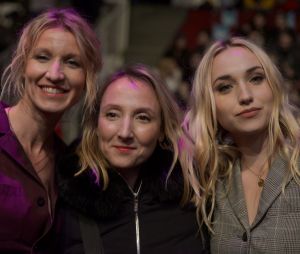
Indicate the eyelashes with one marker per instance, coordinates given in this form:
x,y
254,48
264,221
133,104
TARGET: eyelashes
x,y
115,115
226,86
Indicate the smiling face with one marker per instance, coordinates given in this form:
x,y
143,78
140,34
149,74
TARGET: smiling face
x,y
54,75
243,97
129,123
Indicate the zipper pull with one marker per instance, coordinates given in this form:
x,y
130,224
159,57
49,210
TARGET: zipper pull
x,y
135,208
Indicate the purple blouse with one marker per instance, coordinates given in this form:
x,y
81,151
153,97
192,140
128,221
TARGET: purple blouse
x,y
25,216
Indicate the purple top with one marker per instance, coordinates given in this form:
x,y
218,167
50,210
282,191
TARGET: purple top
x,y
24,209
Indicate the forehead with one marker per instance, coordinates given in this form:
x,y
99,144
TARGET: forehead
x,y
56,34
127,91
232,60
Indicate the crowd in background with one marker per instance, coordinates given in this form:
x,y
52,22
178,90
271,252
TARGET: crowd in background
x,y
241,4
274,28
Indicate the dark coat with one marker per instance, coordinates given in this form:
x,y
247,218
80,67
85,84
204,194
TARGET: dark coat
x,y
164,226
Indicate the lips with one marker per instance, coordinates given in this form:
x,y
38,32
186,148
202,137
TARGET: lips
x,y
249,112
124,149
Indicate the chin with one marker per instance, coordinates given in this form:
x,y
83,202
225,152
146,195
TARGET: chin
x,y
124,167
52,111
54,108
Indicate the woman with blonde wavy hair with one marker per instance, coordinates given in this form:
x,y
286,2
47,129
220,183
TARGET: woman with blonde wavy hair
x,y
56,62
127,181
244,164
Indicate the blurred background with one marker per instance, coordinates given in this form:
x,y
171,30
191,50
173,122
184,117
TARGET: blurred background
x,y
169,35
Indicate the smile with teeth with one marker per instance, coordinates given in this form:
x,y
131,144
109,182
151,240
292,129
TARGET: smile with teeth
x,y
53,90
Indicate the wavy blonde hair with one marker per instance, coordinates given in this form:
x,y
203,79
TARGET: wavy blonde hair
x,y
209,157
89,151
12,79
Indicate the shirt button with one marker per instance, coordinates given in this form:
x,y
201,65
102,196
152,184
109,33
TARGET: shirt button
x,y
245,237
40,201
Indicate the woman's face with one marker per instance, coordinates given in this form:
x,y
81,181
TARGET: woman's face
x,y
129,123
54,74
242,94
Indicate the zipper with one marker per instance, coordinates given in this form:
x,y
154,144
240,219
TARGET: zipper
x,y
137,224
136,214
136,217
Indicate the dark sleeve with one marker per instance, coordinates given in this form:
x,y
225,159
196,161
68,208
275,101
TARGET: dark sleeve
x,y
69,240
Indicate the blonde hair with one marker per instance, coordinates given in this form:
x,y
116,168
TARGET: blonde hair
x,y
68,19
89,152
210,156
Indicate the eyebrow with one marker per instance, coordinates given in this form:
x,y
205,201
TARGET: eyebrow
x,y
116,106
47,51
248,71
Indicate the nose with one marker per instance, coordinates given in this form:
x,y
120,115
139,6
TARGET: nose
x,y
55,71
125,130
245,94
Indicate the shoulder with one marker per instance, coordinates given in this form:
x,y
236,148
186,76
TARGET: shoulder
x,y
4,124
163,182
83,194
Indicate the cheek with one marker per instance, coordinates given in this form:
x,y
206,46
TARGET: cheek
x,y
220,109
218,103
78,80
104,130
32,71
269,97
266,98
269,105
103,142
221,120
148,137
223,113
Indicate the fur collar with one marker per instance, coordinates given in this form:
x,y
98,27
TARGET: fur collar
x,y
87,197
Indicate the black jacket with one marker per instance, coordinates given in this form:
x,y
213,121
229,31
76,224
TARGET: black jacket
x,y
164,227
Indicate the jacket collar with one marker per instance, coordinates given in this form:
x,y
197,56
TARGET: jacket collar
x,y
83,194
10,144
236,195
272,189
278,175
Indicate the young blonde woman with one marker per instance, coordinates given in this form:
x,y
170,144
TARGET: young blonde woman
x,y
244,164
56,62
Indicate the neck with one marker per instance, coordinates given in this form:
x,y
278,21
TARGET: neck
x,y
33,129
130,176
254,150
